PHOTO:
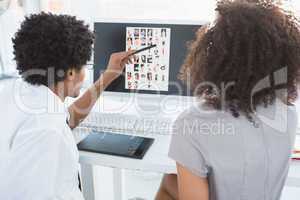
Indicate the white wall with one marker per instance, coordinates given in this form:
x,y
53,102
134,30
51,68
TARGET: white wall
x,y
143,9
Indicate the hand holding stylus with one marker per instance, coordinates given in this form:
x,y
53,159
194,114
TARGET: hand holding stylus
x,y
117,63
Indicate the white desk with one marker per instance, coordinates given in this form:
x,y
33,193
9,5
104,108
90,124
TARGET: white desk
x,y
155,160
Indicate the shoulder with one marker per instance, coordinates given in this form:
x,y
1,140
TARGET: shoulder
x,y
278,116
32,135
203,120
41,126
201,111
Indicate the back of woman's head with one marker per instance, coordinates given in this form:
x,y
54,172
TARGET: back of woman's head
x,y
249,56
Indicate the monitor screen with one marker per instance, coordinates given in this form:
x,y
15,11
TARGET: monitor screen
x,y
154,71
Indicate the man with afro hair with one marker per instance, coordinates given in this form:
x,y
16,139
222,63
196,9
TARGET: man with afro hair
x,y
39,157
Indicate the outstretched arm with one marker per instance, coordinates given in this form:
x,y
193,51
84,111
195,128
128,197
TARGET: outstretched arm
x,y
82,106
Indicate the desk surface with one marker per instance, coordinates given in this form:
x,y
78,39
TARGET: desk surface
x,y
156,159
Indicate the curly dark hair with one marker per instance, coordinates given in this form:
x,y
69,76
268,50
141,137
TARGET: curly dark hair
x,y
251,42
47,41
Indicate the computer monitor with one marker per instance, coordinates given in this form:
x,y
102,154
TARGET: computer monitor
x,y
155,71
159,67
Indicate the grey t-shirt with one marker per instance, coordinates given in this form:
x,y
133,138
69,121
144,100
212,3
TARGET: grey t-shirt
x,y
242,160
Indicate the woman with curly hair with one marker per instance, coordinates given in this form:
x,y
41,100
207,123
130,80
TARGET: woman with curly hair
x,y
237,141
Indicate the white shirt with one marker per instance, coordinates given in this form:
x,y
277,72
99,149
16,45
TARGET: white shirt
x,y
38,153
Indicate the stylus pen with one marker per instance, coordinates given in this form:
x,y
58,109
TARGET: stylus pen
x,y
143,49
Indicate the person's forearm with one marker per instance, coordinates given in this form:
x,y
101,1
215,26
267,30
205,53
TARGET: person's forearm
x,y
83,105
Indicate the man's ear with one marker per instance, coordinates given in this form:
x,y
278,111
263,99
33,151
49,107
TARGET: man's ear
x,y
70,75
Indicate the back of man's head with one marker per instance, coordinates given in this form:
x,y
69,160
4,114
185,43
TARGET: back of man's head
x,y
47,46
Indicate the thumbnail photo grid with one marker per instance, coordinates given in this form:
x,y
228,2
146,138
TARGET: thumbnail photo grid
x,y
150,70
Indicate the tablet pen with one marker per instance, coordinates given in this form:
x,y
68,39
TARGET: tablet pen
x,y
143,49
